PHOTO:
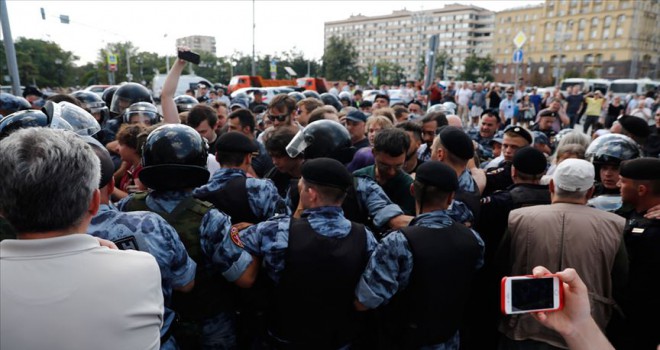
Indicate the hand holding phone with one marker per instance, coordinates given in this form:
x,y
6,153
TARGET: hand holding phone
x,y
525,294
189,56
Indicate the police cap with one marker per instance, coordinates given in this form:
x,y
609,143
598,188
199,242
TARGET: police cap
x,y
235,141
634,125
327,172
548,113
530,161
520,131
641,169
457,142
437,174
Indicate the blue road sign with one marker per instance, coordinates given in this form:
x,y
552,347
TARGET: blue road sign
x,y
518,56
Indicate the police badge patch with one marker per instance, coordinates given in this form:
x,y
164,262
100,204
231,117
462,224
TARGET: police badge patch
x,y
235,237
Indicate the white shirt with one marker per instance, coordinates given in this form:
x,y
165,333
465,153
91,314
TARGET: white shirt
x,y
69,293
508,108
464,96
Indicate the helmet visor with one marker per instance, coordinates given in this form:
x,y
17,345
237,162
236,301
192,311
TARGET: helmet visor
x,y
81,122
145,117
297,145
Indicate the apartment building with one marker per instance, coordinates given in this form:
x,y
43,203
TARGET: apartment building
x,y
198,43
609,39
403,36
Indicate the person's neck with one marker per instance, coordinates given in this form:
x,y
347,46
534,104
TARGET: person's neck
x,y
243,167
459,169
519,181
53,234
426,210
646,204
556,200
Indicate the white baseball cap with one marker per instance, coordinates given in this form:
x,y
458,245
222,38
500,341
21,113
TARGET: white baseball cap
x,y
574,175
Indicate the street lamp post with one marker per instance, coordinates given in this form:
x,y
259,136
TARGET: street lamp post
x,y
560,38
58,63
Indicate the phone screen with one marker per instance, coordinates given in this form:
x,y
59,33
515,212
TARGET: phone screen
x,y
532,294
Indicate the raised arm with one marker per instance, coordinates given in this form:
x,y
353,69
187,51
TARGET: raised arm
x,y
170,113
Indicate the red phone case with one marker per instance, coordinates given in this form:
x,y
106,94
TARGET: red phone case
x,y
502,287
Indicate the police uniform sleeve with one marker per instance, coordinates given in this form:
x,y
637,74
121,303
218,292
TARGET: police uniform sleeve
x,y
387,271
372,243
460,212
221,253
264,199
378,204
269,241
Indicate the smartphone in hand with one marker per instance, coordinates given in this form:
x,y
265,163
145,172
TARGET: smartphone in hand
x,y
524,294
189,56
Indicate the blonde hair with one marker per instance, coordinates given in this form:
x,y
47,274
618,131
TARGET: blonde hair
x,y
382,121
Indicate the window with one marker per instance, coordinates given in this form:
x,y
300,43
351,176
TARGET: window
x,y
559,27
582,24
606,33
610,70
594,33
607,22
618,33
620,20
588,59
594,22
569,25
541,70
599,59
504,70
613,57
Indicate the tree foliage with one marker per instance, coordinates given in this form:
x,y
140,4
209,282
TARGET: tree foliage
x,y
339,60
390,73
41,63
478,67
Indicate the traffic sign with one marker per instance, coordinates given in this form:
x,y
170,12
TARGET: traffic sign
x,y
520,39
112,58
518,56
112,67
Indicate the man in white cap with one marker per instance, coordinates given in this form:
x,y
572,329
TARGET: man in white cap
x,y
566,233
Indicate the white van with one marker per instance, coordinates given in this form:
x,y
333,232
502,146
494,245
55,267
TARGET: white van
x,y
623,87
185,82
588,85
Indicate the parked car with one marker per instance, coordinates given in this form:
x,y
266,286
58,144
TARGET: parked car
x,y
97,89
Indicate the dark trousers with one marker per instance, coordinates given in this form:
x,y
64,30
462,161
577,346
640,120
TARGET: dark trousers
x,y
573,118
589,121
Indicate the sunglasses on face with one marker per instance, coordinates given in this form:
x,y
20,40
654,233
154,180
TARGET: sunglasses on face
x,y
279,118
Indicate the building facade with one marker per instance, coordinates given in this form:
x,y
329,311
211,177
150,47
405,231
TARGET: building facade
x,y
198,43
403,37
610,39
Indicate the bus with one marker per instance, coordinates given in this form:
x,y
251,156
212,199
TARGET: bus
x,y
623,87
586,85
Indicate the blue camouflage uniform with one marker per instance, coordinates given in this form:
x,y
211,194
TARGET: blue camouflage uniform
x,y
485,146
466,182
263,198
270,240
390,267
150,233
217,332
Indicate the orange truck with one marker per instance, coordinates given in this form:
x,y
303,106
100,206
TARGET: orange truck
x,y
242,81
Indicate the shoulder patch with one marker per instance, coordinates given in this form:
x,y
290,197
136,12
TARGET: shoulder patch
x,y
495,171
235,237
127,243
485,200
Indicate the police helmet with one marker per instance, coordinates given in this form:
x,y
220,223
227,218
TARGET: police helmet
x,y
331,100
612,149
450,107
93,104
174,157
346,96
10,104
142,112
240,100
312,93
296,96
322,138
438,108
184,103
128,94
108,94
81,122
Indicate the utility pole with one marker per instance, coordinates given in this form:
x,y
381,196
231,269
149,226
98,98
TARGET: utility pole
x,y
254,64
10,51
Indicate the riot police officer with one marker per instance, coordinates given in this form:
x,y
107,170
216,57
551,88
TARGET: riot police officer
x,y
230,190
499,178
174,162
147,232
123,97
314,262
423,311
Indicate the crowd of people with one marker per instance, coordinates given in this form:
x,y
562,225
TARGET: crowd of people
x,y
326,221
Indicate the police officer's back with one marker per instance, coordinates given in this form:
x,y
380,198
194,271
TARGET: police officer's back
x,y
147,232
174,159
640,187
427,299
314,262
230,190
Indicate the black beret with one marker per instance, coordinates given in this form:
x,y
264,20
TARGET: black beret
x,y
385,96
457,142
520,131
641,169
548,113
327,172
437,174
635,125
530,161
235,141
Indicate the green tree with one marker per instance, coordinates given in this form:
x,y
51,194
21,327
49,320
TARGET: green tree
x,y
478,67
571,74
40,62
126,53
339,60
389,73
